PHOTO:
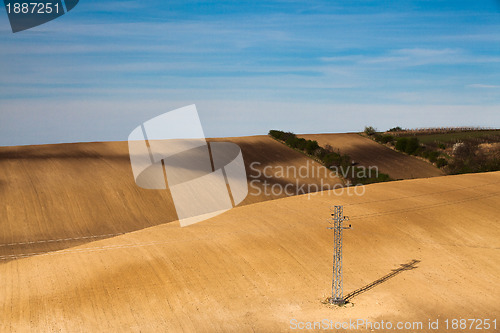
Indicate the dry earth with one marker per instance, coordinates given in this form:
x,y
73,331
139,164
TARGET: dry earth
x,y
259,266
79,192
367,152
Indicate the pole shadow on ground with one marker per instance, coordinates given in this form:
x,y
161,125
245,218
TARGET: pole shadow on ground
x,y
404,267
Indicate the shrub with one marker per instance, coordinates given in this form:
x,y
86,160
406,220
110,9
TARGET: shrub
x,y
401,144
433,156
370,130
441,162
292,141
328,159
319,153
311,146
419,151
301,143
386,138
395,129
276,134
468,158
287,135
383,138
381,177
280,135
411,146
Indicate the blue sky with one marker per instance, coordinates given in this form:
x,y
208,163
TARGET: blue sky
x,y
97,72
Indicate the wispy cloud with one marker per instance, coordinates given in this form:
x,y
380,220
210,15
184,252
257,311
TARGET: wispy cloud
x,y
486,86
283,53
427,53
417,57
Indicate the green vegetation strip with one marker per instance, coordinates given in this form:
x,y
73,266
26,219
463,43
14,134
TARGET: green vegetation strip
x,y
455,151
330,158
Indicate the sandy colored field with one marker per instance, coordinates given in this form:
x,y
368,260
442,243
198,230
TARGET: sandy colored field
x,y
257,267
282,166
367,152
74,192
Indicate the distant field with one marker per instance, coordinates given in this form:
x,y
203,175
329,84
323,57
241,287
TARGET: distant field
x,y
453,137
367,152
79,192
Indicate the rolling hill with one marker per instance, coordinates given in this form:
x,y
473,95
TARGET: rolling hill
x,y
367,152
63,195
265,266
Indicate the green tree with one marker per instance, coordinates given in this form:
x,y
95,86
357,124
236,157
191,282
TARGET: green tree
x,y
311,146
370,130
411,146
401,144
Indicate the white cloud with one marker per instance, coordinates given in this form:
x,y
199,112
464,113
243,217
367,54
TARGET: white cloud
x,y
409,57
425,53
487,86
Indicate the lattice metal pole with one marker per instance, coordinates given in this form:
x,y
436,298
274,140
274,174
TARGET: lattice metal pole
x,y
337,283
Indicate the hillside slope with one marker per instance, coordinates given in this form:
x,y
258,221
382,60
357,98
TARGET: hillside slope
x,y
367,152
56,196
259,267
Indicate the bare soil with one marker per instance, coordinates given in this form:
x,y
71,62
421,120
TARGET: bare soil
x,y
260,266
59,196
368,153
